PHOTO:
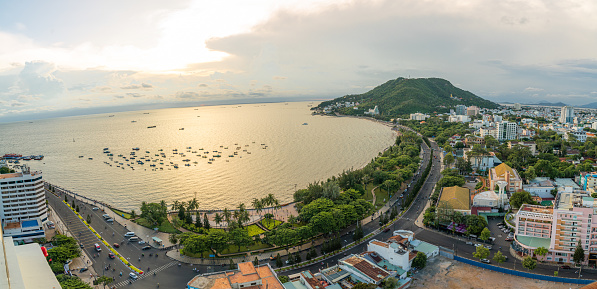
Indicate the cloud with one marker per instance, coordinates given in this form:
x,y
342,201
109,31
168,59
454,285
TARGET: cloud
x,y
134,94
146,85
531,89
38,78
102,89
119,96
131,86
187,94
279,77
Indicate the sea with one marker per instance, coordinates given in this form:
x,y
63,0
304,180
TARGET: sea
x,y
222,155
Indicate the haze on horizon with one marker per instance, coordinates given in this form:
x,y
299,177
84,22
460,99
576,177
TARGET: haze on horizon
x,y
79,55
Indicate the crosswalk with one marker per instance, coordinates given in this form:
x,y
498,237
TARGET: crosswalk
x,y
145,274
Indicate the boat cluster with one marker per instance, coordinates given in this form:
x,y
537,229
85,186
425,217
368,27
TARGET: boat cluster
x,y
15,158
164,159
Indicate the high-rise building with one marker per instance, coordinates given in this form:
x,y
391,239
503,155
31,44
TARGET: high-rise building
x,y
23,205
461,109
506,130
472,110
567,115
517,106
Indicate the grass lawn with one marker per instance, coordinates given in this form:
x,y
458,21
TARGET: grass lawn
x,y
165,227
122,213
232,249
270,224
380,195
254,230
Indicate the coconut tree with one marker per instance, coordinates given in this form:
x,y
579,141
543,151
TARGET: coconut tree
x,y
175,205
193,204
257,205
227,216
217,219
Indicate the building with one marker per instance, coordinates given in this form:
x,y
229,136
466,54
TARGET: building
x,y
517,106
471,140
373,111
567,115
418,116
529,144
23,209
24,266
481,162
505,173
487,199
455,198
461,109
488,131
506,130
246,276
540,187
572,220
472,110
458,118
363,269
581,136
588,180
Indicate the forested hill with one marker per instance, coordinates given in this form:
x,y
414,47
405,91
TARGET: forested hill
x,y
403,96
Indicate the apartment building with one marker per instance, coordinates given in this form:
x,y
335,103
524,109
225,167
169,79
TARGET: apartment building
x,y
506,130
23,208
530,144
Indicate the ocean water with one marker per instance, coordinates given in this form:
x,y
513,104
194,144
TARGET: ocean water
x,y
278,146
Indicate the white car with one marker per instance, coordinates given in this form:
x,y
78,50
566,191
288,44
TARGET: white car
x,y
478,245
133,276
141,242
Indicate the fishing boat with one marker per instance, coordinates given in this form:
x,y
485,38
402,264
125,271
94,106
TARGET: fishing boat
x,y
209,163
38,157
12,156
135,149
176,166
106,149
182,128
90,159
305,123
153,126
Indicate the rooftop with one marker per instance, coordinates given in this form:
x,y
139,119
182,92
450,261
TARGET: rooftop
x,y
565,182
368,269
501,170
533,242
536,209
426,248
457,198
246,272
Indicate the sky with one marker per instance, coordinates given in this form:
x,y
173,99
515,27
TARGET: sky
x,y
60,57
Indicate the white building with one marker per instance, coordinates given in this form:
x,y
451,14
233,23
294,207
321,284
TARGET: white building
x,y
517,106
567,115
418,116
461,109
481,162
373,111
458,118
485,131
472,110
506,130
23,207
486,199
581,136
541,187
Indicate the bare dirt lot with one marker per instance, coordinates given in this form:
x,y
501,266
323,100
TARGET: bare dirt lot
x,y
445,273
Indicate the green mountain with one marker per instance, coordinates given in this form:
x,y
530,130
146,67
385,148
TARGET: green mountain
x,y
403,96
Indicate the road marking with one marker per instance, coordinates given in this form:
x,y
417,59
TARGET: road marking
x,y
147,273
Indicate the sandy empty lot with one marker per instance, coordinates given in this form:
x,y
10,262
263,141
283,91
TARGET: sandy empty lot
x,y
445,273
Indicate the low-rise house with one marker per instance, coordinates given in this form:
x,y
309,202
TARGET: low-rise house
x,y
246,276
455,198
364,269
507,174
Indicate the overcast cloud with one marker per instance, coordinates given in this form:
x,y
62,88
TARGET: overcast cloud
x,y
518,51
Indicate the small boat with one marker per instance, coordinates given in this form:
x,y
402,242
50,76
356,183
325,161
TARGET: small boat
x,y
135,149
133,121
188,165
110,115
106,149
91,159
153,126
182,128
231,156
209,163
176,166
81,156
305,123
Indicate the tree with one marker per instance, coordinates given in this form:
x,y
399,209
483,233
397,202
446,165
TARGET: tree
x,y
77,208
133,214
173,238
542,251
279,262
579,254
363,285
88,219
240,237
499,258
71,282
420,261
283,279
485,234
449,159
206,224
198,222
481,253
391,283
65,198
217,219
232,265
529,263
522,197
195,244
463,166
530,173
105,280
217,240
176,222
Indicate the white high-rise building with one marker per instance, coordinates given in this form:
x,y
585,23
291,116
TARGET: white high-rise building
x,y
506,130
517,106
23,205
567,115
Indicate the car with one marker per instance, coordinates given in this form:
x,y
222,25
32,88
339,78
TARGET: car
x,y
509,239
111,255
386,230
81,245
83,269
146,248
500,226
565,267
488,247
106,216
133,276
129,234
116,245
97,247
141,242
95,208
485,261
469,243
110,220
478,245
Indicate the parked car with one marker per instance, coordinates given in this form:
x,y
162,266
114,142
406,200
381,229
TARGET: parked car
x,y
509,239
478,245
146,248
488,247
116,245
469,243
81,245
565,267
83,269
110,220
97,247
129,234
141,242
111,255
485,261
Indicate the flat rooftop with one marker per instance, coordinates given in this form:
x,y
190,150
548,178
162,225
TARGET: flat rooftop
x,y
537,209
534,242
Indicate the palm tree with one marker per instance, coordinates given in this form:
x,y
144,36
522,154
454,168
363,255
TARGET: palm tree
x,y
257,205
175,205
217,219
193,204
227,216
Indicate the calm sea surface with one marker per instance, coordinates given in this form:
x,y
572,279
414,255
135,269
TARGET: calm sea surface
x,y
263,148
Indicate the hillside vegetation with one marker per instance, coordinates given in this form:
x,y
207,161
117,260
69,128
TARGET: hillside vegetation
x,y
403,96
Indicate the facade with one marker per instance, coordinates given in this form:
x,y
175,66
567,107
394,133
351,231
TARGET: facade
x,y
23,208
588,180
486,199
530,144
246,276
540,187
461,109
507,174
506,130
581,136
456,198
458,118
481,162
488,131
472,110
567,115
418,116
